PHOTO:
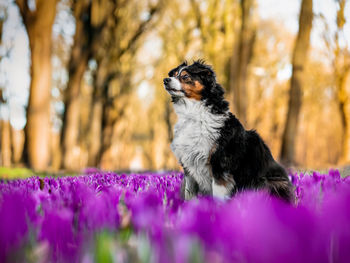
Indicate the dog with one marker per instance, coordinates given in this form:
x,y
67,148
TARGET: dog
x,y
219,157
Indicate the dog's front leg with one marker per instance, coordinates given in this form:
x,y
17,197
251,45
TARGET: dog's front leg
x,y
224,187
189,187
223,184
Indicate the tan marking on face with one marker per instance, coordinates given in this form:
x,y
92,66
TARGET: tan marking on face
x,y
183,73
193,89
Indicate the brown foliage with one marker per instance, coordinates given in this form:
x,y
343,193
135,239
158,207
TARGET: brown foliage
x,y
117,114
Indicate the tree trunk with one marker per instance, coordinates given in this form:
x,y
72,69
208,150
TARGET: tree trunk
x,y
95,129
295,93
239,63
113,111
91,22
39,27
109,119
2,21
56,151
341,65
80,55
95,133
70,130
17,143
5,143
343,105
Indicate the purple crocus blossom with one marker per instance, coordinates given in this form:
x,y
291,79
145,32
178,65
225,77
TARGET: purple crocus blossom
x,y
68,215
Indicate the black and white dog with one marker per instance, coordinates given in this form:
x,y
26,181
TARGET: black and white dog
x,y
218,155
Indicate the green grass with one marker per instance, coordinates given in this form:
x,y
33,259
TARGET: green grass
x,y
21,172
12,173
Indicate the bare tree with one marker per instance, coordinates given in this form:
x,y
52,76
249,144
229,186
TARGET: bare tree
x,y
2,21
104,115
38,21
5,127
91,21
241,60
341,65
295,93
5,135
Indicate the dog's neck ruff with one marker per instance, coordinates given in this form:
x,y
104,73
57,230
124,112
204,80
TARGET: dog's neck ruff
x,y
195,135
186,108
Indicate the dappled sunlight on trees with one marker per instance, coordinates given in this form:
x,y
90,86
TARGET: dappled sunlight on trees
x,y
97,97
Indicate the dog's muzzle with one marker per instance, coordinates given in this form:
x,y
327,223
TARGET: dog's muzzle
x,y
166,81
173,86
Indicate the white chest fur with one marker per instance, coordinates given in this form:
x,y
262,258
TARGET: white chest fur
x,y
195,133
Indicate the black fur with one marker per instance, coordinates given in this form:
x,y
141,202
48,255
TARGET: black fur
x,y
245,156
240,154
213,94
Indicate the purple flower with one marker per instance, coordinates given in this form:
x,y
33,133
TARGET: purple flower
x,y
16,215
57,230
66,214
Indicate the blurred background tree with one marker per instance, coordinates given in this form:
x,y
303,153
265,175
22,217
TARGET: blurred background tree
x,y
5,127
38,17
341,68
241,58
299,61
94,95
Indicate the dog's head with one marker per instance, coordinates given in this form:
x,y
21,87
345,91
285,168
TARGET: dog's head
x,y
196,81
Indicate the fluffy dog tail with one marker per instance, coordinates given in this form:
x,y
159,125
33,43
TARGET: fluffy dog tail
x,y
279,184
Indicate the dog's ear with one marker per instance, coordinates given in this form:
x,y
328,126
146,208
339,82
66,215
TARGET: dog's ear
x,y
206,74
203,70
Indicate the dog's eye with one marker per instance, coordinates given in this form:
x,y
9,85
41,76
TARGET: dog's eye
x,y
184,77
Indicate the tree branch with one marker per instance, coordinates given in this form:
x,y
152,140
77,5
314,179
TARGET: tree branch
x,y
197,14
24,10
138,33
2,20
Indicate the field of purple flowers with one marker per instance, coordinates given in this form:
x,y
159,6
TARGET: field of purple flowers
x,y
106,217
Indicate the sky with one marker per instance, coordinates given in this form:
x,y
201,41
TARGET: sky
x,y
14,70
287,11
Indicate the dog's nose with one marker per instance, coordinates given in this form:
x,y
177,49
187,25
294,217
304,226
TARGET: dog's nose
x,y
166,81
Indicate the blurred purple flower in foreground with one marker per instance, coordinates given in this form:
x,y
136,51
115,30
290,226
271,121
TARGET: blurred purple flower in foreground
x,y
103,216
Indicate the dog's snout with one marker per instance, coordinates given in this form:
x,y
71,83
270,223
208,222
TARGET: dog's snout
x,y
166,81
